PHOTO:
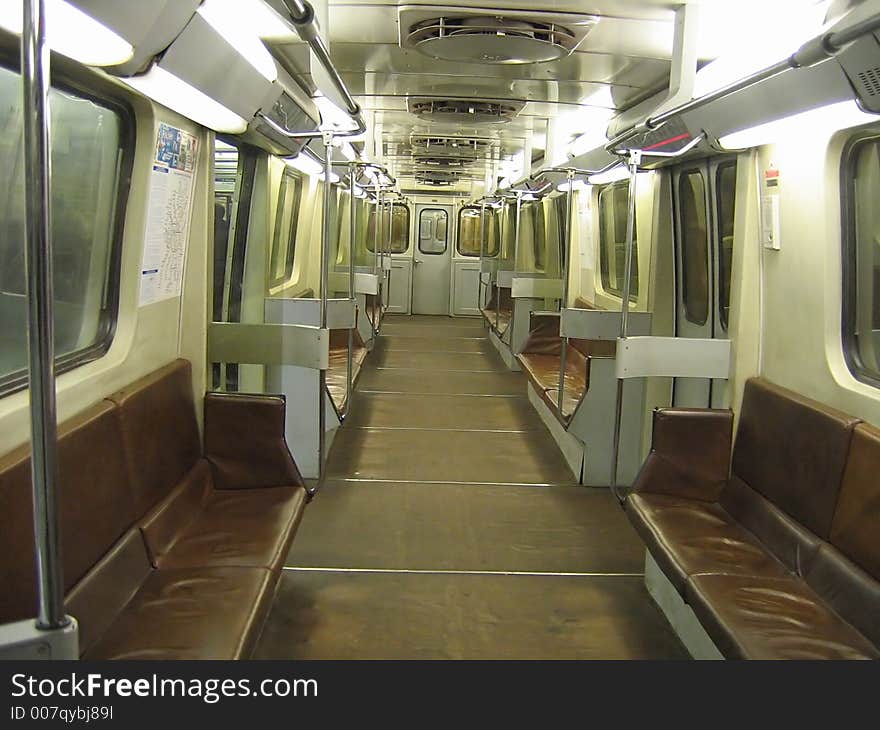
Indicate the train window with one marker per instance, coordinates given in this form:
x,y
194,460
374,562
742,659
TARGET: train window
x,y
286,218
725,197
694,245
433,237
613,207
399,228
470,231
91,142
493,232
862,260
234,172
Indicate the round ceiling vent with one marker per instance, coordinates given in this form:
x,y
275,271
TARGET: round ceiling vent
x,y
491,39
463,111
436,178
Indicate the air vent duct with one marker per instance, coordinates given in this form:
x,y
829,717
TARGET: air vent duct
x,y
464,111
456,146
483,35
437,179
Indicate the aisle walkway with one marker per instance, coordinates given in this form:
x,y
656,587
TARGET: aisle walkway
x,y
450,526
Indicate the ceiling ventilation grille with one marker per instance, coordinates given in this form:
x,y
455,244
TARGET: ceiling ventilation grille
x,y
459,146
464,111
482,35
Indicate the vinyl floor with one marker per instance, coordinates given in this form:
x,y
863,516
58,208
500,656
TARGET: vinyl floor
x,y
450,527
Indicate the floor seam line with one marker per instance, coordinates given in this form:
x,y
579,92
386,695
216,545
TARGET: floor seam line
x,y
444,571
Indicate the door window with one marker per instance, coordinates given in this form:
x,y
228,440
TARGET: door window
x,y
433,231
694,246
725,195
613,213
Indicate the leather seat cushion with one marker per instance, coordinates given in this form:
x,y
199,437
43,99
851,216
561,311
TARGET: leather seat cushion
x,y
542,370
239,528
762,617
688,537
202,613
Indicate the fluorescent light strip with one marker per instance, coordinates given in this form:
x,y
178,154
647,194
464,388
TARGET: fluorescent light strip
x,y
176,94
575,185
72,33
615,174
802,127
230,20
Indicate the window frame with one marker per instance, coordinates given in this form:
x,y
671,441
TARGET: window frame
x,y
67,77
849,259
458,233
370,240
290,251
605,271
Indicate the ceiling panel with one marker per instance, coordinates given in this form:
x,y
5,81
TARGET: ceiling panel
x,y
623,59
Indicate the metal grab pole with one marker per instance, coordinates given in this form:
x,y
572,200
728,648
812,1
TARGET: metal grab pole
x,y
390,234
41,344
635,159
377,211
483,246
351,296
325,278
563,351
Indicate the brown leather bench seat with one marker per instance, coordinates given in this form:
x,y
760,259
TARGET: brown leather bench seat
x,y
169,550
337,373
541,356
778,554
498,311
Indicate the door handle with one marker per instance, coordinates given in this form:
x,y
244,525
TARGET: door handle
x,y
417,261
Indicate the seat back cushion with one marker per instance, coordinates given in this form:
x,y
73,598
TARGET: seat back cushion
x,y
245,444
584,303
95,507
855,530
164,524
159,431
851,592
505,299
795,546
792,450
595,348
543,336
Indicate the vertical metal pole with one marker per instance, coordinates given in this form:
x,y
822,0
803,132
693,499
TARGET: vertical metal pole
x,y
635,159
377,254
352,224
483,246
390,233
563,351
41,344
325,277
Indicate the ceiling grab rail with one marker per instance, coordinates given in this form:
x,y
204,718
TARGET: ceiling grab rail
x,y
302,16
811,53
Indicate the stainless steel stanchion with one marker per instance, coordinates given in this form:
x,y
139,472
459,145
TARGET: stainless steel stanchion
x,y
635,159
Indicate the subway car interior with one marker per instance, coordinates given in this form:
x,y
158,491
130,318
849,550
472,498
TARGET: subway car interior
x,y
366,329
